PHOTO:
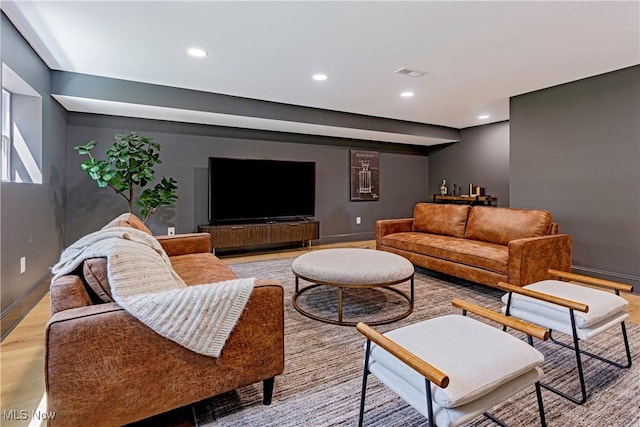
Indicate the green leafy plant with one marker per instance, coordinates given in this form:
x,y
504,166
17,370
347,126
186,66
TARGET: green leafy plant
x,y
129,166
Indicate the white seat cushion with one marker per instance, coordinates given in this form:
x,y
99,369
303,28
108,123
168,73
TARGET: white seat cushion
x,y
476,357
603,305
451,417
565,326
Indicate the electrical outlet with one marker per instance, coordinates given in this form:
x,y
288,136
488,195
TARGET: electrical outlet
x,y
171,231
358,220
23,264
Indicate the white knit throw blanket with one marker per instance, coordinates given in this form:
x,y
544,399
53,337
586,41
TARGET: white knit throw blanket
x,y
144,283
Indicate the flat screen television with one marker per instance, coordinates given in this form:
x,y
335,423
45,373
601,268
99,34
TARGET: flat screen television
x,y
256,190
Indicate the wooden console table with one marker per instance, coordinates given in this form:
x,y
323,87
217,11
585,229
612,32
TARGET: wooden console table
x,y
240,235
471,200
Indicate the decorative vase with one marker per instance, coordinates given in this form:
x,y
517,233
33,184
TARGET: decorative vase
x,y
443,188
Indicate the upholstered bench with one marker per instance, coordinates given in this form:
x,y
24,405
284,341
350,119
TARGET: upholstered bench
x,y
473,366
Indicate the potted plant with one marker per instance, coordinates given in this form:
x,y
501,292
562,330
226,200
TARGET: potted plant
x,y
130,166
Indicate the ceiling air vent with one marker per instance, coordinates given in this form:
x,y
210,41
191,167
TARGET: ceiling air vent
x,y
411,73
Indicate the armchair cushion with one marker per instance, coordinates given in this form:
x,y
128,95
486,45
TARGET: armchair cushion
x,y
200,268
129,220
444,342
94,271
602,305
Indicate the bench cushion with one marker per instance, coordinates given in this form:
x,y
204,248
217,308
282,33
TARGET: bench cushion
x,y
448,220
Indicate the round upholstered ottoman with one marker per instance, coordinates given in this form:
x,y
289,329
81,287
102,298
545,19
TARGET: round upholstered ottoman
x,y
352,268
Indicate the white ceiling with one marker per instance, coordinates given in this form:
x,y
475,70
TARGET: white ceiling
x,y
476,54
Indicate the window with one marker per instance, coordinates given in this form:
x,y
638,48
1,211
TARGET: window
x,y
6,135
21,130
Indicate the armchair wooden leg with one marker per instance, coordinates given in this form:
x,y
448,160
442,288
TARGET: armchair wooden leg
x,y
267,390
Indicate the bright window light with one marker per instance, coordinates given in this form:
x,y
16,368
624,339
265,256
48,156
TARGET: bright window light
x,y
26,157
197,52
6,135
406,94
320,77
483,116
21,130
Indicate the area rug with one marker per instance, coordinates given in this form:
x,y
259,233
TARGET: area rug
x,y
323,365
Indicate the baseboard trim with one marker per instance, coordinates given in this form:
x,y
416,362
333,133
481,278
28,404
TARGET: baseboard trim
x,y
609,275
340,238
13,314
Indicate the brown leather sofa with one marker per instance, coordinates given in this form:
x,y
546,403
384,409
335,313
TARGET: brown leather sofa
x,y
103,367
481,244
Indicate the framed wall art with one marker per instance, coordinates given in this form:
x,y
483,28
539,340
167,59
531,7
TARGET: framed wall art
x,y
365,175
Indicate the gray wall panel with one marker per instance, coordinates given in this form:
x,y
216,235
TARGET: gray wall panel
x,y
33,215
481,157
404,179
575,150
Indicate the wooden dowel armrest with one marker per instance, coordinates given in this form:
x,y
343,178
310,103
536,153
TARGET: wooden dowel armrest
x,y
511,322
574,305
423,368
609,284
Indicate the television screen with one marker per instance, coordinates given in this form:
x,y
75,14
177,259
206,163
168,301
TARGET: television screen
x,y
245,190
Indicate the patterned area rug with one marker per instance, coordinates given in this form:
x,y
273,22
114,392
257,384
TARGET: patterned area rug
x,y
323,365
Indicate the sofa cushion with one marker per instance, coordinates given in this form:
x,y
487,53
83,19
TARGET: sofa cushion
x,y
445,219
129,220
200,268
501,225
488,256
94,271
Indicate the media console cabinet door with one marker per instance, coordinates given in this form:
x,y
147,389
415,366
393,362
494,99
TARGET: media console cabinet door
x,y
293,232
233,236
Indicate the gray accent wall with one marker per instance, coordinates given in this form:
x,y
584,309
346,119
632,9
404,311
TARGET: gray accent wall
x,y
575,150
481,158
32,215
404,175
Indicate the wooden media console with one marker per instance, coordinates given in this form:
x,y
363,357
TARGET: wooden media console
x,y
256,234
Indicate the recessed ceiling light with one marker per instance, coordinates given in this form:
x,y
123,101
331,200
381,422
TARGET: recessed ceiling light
x,y
320,77
484,116
197,52
406,94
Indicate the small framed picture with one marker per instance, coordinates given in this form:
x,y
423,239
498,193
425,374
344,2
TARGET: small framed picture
x,y
365,175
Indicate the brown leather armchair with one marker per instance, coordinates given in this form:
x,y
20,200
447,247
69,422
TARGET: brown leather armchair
x,y
103,367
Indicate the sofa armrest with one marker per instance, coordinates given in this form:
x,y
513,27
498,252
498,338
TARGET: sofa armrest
x,y
390,226
183,244
530,259
103,366
68,292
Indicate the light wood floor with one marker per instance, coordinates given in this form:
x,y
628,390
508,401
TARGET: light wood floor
x,y
22,351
